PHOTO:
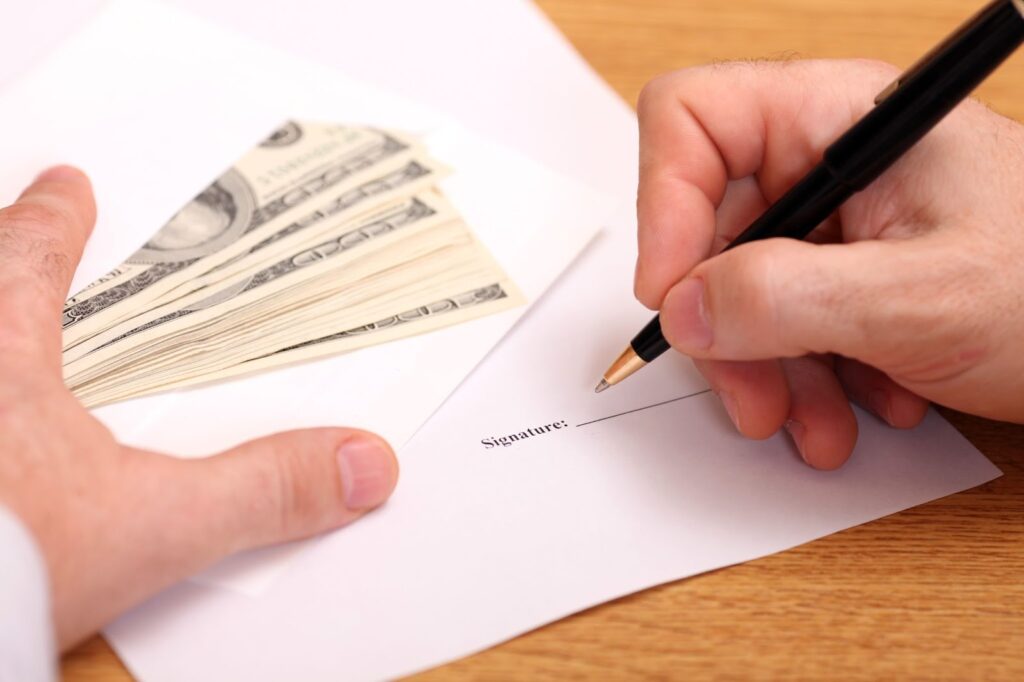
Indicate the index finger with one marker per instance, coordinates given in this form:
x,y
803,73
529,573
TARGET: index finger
x,y
41,240
704,126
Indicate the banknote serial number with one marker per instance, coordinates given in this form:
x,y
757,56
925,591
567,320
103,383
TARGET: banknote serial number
x,y
513,438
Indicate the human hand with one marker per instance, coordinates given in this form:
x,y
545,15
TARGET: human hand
x,y
912,292
116,524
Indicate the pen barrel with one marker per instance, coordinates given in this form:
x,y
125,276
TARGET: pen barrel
x,y
797,212
926,93
650,342
905,114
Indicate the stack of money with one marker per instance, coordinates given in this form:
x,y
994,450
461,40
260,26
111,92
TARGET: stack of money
x,y
321,240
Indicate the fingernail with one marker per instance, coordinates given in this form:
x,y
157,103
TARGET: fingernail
x,y
796,432
729,403
59,174
878,402
684,307
367,473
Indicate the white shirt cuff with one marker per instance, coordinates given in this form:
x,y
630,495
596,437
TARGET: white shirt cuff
x,y
27,649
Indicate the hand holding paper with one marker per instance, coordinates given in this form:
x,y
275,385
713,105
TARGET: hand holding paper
x,y
117,524
531,220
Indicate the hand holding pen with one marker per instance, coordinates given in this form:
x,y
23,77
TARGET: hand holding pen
x,y
910,292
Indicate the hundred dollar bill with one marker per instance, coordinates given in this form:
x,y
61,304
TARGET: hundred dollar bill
x,y
279,310
268,324
225,341
273,182
420,319
335,250
222,210
323,240
229,279
391,181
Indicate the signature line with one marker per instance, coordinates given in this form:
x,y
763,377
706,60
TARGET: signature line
x,y
664,402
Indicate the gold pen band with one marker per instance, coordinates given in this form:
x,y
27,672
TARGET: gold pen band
x,y
624,365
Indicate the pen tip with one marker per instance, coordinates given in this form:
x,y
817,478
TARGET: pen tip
x,y
601,386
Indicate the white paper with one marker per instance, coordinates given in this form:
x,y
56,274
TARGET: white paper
x,y
482,544
479,545
498,66
153,122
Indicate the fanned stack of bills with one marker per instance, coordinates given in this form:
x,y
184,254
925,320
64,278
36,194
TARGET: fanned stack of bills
x,y
321,240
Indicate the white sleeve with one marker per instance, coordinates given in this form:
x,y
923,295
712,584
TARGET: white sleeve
x,y
27,651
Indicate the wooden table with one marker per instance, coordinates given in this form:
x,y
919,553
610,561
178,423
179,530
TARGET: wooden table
x,y
936,592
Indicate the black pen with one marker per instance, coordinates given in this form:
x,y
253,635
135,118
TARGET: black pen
x,y
905,111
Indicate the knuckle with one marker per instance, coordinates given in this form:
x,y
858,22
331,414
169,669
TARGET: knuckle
x,y
58,269
871,73
750,290
878,67
743,70
661,88
934,329
667,85
289,498
302,490
38,265
31,240
259,493
33,217
756,278
652,91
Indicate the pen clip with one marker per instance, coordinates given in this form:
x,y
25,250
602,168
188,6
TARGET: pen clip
x,y
946,44
906,75
889,89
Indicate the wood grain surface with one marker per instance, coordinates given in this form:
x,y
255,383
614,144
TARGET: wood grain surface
x,y
936,592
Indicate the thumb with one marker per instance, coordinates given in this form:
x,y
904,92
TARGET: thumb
x,y
163,518
874,301
292,485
